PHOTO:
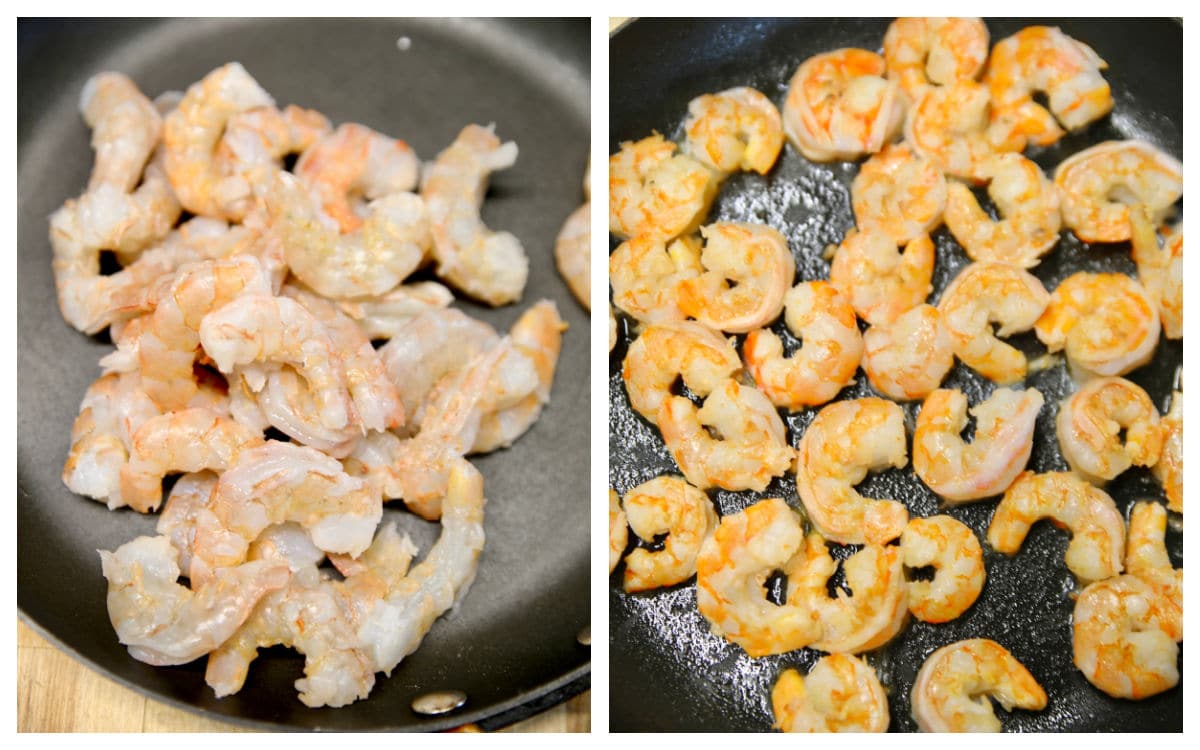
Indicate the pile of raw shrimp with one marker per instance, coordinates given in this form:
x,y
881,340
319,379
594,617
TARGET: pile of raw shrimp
x,y
933,117
254,318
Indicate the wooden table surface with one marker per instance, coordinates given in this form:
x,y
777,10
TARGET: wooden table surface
x,y
56,693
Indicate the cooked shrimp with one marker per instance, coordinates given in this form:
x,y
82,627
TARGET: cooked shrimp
x,y
277,395
177,521
951,690
738,128
125,129
950,547
685,349
1146,558
1160,270
924,52
1169,469
984,293
352,166
959,471
846,440
899,194
1107,323
612,329
489,266
1043,59
573,253
645,273
1096,527
183,441
382,316
840,694
192,133
1119,641
879,280
1107,426
832,348
840,107
953,126
1028,203
666,505
654,191
163,622
1098,186
751,448
852,623
618,530
908,358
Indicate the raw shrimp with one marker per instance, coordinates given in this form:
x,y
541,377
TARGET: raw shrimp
x,y
192,133
748,269
654,191
1169,469
1160,270
879,280
663,353
924,52
984,293
738,128
177,521
382,316
752,446
645,273
618,530
1028,203
899,194
277,395
908,358
1107,426
840,107
951,690
841,693
832,348
1146,558
490,266
846,440
953,127
182,441
165,623
950,547
666,505
352,166
1107,323
389,245
573,253
1099,185
1119,641
1043,59
1097,529
959,471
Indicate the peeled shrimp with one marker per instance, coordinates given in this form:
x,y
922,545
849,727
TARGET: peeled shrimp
x,y
1097,529
382,316
738,128
984,293
125,129
840,694
573,253
1169,469
177,521
645,273
908,358
612,329
757,261
840,107
1090,426
852,623
959,471
489,266
1043,59
950,547
1107,323
1099,185
924,52
950,689
899,194
846,440
654,191
879,280
1160,270
1146,558
666,505
953,126
1028,203
832,348
618,530
752,446
700,356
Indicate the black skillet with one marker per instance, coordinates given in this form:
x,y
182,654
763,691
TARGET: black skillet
x,y
511,646
667,671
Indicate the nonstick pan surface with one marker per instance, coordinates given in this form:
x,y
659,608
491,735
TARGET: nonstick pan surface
x,y
511,644
668,672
